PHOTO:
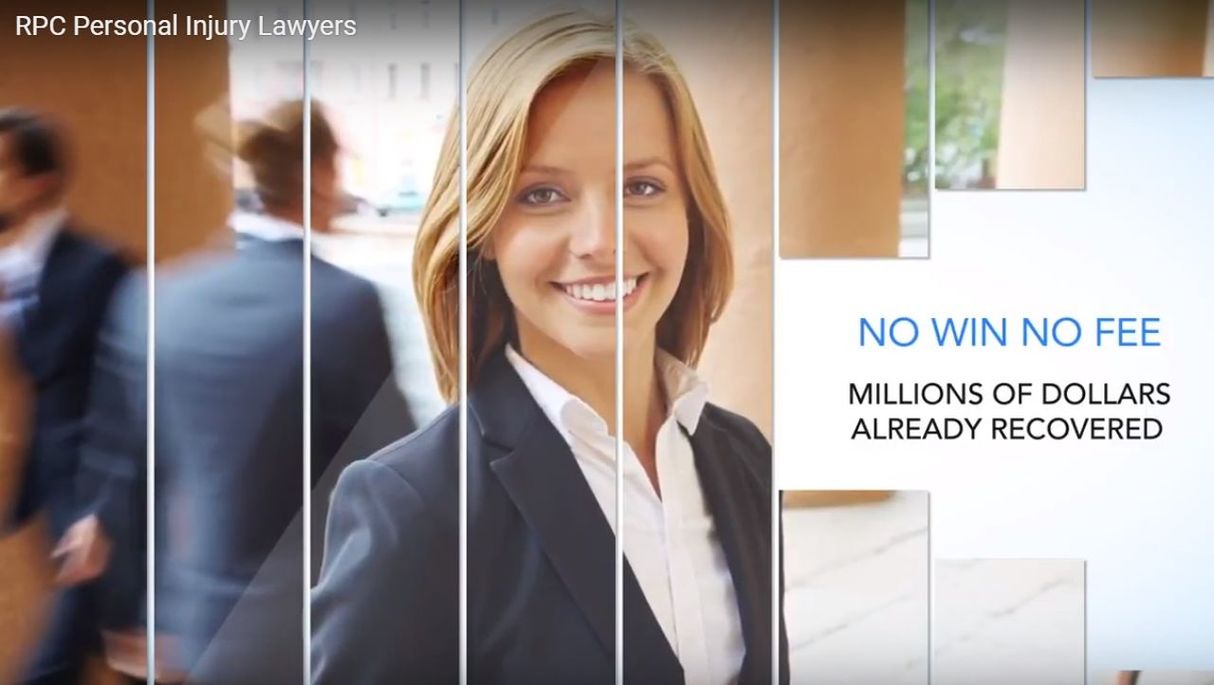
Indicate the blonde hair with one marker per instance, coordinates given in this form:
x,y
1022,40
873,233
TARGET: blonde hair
x,y
501,89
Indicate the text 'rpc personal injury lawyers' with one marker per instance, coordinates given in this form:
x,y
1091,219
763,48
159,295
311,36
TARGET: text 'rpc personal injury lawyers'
x,y
1068,396
207,28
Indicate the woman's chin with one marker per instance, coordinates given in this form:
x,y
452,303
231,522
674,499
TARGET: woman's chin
x,y
600,349
594,352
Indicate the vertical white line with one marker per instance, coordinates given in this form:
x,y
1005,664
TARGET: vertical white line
x,y
931,575
776,560
150,405
1085,622
619,342
1087,75
931,203
930,172
307,354
463,354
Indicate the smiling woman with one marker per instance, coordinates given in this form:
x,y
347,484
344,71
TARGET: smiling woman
x,y
553,247
542,196
541,151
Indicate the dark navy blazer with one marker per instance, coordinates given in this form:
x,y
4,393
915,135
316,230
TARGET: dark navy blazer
x,y
56,348
541,581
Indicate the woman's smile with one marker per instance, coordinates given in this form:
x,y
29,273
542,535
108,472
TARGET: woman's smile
x,y
597,295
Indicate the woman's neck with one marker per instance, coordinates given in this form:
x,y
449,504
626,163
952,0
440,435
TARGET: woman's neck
x,y
593,381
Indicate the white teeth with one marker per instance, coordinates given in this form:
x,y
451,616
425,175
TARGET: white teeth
x,y
599,292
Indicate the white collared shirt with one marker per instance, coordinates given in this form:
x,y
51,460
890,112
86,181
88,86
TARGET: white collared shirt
x,y
22,262
670,541
265,227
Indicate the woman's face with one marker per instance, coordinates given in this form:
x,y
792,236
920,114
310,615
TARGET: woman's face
x,y
555,242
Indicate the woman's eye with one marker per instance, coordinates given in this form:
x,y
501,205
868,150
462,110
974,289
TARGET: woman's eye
x,y
539,197
643,188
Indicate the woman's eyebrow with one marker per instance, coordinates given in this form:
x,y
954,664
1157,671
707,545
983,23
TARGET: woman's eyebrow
x,y
544,169
630,166
647,162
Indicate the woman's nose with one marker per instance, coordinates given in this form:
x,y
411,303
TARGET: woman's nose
x,y
593,232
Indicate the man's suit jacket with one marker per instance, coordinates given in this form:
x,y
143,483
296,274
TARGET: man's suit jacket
x,y
541,583
230,450
112,481
56,347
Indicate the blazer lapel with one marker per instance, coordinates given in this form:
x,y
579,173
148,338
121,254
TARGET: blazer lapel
x,y
730,488
539,472
545,484
40,315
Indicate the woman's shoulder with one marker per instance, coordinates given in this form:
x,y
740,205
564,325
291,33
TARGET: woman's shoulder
x,y
736,426
745,440
425,461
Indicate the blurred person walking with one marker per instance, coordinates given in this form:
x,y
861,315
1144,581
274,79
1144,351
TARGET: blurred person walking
x,y
229,413
55,285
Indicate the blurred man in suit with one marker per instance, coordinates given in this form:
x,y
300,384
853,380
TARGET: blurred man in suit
x,y
112,479
229,413
55,285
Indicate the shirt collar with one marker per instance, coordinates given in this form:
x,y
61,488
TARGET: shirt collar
x,y
686,391
26,259
265,227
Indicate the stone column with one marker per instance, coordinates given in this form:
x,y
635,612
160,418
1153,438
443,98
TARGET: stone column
x,y
842,114
1042,124
193,178
1150,37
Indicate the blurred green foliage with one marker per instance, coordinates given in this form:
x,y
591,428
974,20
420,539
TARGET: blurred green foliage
x,y
970,38
914,161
